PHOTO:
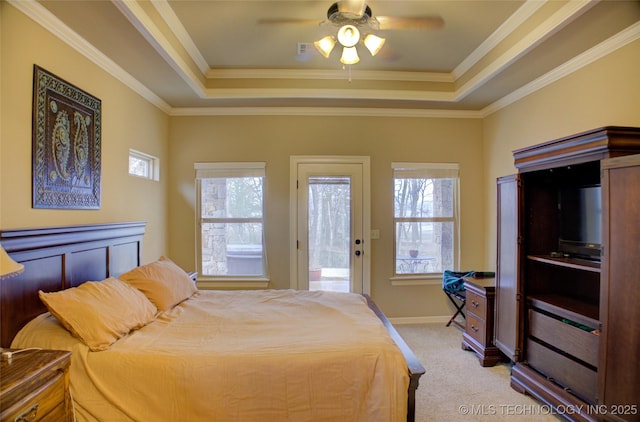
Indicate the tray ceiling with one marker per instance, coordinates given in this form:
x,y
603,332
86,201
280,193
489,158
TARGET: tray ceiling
x,y
187,56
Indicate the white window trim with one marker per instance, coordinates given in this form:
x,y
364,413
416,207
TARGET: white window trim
x,y
154,164
426,170
229,169
204,170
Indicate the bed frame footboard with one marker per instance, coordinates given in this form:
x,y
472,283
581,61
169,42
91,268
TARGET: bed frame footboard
x,y
416,370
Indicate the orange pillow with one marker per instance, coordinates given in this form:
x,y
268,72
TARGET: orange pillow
x,y
100,312
163,282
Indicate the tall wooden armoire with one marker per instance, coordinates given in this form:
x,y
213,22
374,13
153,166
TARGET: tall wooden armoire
x,y
567,286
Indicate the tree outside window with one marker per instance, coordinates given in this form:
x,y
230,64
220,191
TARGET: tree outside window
x,y
231,200
425,218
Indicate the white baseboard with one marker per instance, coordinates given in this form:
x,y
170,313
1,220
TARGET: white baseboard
x,y
443,319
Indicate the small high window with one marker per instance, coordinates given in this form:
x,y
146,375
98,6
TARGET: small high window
x,y
144,165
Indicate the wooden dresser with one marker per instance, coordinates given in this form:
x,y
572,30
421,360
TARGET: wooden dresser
x,y
478,334
34,386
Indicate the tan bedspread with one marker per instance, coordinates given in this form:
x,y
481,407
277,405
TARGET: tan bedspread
x,y
272,355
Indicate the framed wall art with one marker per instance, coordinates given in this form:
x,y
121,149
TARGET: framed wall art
x,y
66,144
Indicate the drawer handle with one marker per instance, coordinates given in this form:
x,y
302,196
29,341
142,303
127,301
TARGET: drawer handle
x,y
474,304
29,415
474,329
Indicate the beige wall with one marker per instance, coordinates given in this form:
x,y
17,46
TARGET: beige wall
x,y
274,139
604,93
128,121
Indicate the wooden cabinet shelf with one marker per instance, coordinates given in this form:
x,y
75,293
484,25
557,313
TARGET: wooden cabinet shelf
x,y
567,262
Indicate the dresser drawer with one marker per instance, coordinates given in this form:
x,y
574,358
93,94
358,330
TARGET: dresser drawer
x,y
568,338
476,328
48,401
568,373
476,304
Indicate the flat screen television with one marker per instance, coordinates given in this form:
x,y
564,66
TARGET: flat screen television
x,y
580,213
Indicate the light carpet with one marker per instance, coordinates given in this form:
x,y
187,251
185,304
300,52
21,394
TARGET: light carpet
x,y
456,388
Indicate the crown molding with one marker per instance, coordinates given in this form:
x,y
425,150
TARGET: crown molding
x,y
621,39
39,14
506,29
366,75
553,24
325,111
172,20
143,23
352,94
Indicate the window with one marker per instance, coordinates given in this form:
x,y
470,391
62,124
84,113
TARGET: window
x,y
425,217
230,202
144,165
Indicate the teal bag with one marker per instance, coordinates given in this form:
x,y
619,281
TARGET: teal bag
x,y
453,281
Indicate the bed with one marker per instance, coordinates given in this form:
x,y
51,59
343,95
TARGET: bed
x,y
263,355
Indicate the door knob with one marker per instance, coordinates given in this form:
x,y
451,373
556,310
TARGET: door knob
x,y
358,253
358,241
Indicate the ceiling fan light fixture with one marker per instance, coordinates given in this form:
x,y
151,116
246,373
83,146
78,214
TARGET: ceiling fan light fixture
x,y
348,35
349,56
373,43
325,45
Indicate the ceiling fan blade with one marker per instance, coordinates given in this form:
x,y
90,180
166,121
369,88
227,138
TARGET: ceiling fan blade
x,y
352,8
388,54
288,21
419,22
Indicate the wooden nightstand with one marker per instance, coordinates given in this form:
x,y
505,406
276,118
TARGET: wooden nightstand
x,y
34,386
478,334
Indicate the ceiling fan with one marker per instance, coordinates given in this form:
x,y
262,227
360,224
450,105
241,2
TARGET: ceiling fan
x,y
358,13
352,16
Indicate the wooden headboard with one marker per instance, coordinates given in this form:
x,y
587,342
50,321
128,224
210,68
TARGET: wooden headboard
x,y
57,258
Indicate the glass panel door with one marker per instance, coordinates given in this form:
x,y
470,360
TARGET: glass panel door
x,y
329,229
329,233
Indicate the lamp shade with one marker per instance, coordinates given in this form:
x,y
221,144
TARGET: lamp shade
x,y
8,267
325,45
349,55
373,43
